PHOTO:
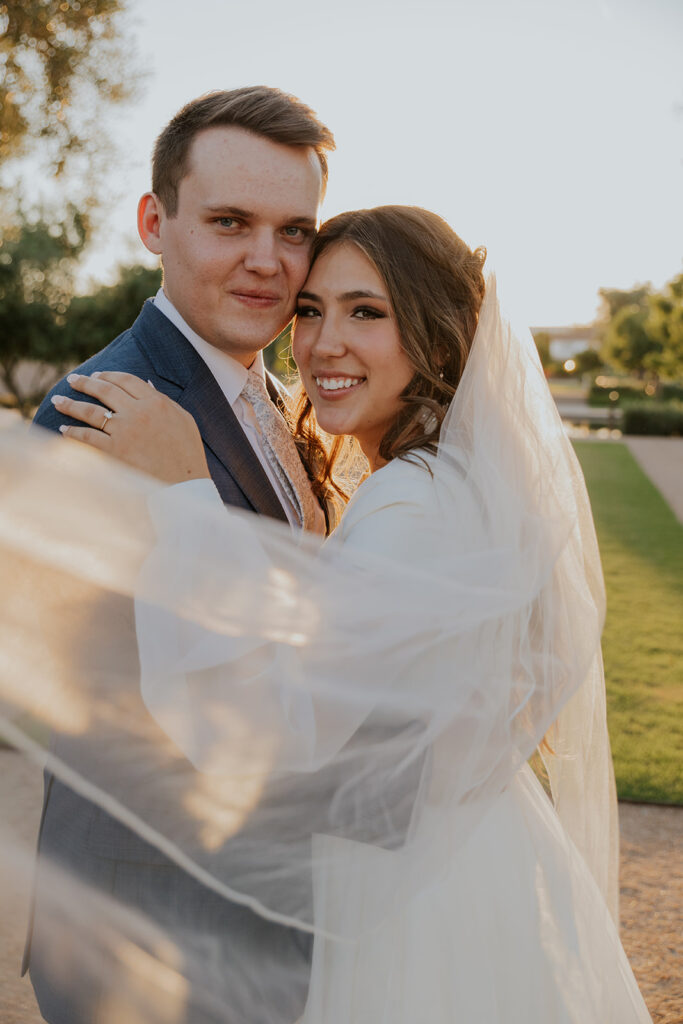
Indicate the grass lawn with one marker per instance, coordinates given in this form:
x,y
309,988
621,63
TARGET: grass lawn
x,y
641,543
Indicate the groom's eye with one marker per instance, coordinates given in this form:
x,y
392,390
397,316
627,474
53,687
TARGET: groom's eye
x,y
296,233
226,222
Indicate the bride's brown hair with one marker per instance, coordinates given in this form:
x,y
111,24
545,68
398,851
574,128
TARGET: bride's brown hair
x,y
436,286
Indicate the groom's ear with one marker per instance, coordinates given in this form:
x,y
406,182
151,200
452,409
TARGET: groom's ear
x,y
149,222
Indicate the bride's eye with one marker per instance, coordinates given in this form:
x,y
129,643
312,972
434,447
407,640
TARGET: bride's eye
x,y
306,312
367,313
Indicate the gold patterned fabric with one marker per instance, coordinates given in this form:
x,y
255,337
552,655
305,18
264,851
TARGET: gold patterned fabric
x,y
280,450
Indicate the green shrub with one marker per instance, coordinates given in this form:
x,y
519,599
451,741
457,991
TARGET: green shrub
x,y
669,392
627,390
599,394
660,419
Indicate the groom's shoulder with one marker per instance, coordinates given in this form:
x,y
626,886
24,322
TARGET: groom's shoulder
x,y
127,353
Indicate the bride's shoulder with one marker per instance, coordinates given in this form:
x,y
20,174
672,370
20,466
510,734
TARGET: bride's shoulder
x,y
408,479
403,489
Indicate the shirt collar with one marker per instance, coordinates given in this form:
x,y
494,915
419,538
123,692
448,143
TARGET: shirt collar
x,y
230,374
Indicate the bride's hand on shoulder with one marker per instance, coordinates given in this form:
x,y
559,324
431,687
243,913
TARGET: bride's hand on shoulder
x,y
138,426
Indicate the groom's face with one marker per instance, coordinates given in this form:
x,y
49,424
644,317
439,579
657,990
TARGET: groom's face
x,y
237,252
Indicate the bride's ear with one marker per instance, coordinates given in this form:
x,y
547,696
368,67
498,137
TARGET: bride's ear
x,y
150,213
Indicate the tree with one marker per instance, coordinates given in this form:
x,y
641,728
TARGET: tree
x,y
92,321
587,361
643,332
613,300
626,342
58,60
665,328
37,261
621,320
542,339
62,63
42,324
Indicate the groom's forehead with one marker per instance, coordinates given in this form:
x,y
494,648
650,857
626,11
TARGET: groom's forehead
x,y
231,158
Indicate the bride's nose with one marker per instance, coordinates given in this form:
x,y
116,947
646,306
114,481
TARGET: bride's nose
x,y
329,339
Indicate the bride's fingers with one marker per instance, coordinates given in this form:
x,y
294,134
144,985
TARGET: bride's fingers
x,y
94,415
95,438
110,394
128,382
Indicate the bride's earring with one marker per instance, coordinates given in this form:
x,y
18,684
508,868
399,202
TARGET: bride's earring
x,y
441,375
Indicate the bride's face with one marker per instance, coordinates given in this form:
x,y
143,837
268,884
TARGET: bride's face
x,y
347,348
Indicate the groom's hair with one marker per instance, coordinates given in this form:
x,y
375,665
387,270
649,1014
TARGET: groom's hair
x,y
259,109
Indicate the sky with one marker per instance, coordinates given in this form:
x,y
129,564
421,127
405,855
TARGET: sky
x,y
550,132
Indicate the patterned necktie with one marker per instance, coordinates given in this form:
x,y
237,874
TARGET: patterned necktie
x,y
282,455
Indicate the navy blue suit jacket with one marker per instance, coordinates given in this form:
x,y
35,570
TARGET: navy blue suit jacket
x,y
79,835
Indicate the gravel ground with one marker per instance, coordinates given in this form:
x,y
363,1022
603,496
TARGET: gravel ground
x,y
652,904
651,896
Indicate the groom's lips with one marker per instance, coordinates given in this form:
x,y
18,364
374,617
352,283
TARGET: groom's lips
x,y
257,299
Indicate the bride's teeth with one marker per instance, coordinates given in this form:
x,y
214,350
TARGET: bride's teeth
x,y
337,383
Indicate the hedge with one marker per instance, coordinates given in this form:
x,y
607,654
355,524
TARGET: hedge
x,y
631,390
659,419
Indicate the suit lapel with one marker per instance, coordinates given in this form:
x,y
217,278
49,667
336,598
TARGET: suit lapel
x,y
178,362
222,433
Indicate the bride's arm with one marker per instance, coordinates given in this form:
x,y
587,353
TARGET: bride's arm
x,y
211,668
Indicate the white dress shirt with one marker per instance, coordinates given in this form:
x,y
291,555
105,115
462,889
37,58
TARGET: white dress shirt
x,y
231,377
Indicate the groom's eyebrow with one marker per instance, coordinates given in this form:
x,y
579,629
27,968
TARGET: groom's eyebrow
x,y
224,208
236,211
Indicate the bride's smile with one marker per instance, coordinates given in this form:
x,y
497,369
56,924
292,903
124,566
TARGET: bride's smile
x,y
348,349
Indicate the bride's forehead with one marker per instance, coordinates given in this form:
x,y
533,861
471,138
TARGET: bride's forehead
x,y
343,262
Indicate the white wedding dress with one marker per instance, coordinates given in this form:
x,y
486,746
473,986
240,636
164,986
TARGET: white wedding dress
x,y
514,929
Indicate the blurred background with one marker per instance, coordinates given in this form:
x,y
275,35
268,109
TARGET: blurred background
x,y
551,132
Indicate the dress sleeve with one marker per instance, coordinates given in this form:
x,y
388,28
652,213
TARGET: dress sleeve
x,y
200,678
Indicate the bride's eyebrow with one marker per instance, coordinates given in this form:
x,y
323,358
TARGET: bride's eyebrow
x,y
360,294
345,296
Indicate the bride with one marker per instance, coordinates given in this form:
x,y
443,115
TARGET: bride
x,y
424,694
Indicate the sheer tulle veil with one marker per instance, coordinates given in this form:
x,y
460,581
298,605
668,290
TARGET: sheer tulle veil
x,y
250,703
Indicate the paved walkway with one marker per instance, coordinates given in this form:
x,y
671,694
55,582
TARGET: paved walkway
x,y
662,459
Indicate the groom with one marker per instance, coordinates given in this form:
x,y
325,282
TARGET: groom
x,y
237,180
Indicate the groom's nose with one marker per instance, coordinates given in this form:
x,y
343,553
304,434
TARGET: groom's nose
x,y
261,256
